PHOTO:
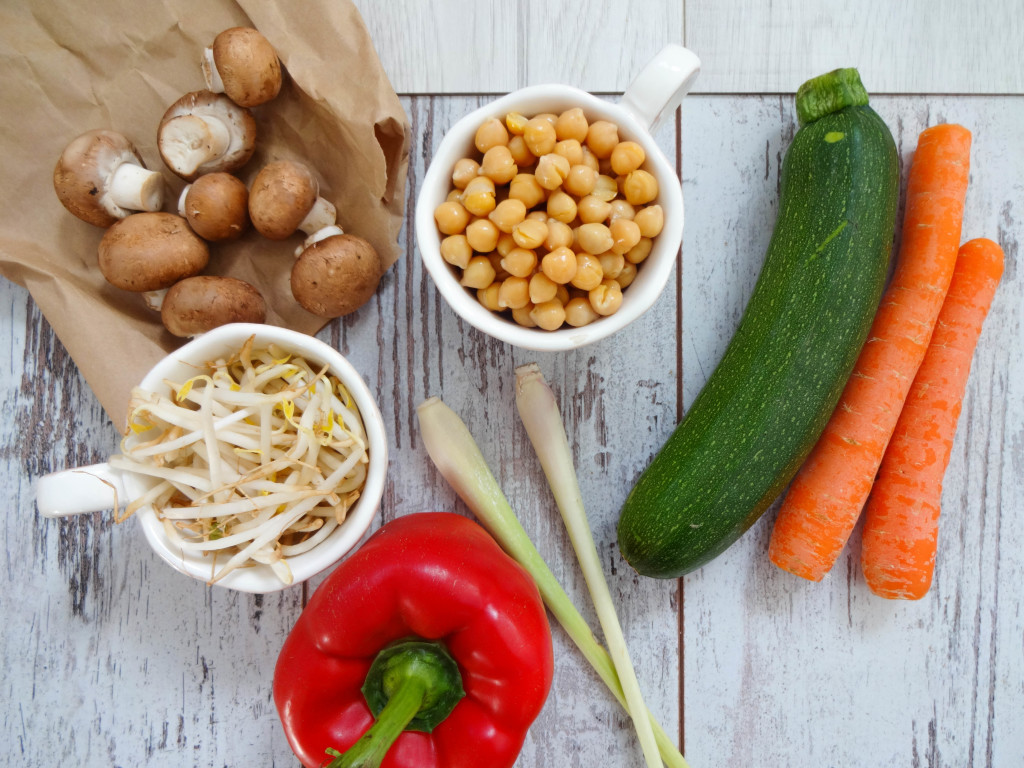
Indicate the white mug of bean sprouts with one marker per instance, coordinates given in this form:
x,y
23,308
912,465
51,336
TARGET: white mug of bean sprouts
x,y
254,458
550,218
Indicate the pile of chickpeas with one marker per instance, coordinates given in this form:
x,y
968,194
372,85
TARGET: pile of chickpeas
x,y
551,220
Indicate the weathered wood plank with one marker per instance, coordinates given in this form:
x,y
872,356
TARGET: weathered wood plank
x,y
782,671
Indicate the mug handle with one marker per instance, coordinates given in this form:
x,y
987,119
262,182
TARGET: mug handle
x,y
78,491
661,85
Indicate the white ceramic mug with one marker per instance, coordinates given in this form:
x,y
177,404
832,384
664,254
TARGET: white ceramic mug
x,y
91,489
653,95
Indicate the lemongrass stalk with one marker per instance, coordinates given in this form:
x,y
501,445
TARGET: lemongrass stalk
x,y
543,421
457,457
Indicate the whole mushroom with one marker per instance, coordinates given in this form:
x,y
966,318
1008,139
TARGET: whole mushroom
x,y
285,197
243,64
216,206
150,252
204,132
335,274
101,178
198,304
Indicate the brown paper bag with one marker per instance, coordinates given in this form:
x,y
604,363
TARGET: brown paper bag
x,y
71,67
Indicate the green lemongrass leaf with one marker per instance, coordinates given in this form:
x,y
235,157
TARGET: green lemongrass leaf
x,y
543,422
457,457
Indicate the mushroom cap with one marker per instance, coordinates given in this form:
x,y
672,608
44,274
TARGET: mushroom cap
x,y
336,276
198,304
151,251
248,66
217,207
280,196
83,173
238,120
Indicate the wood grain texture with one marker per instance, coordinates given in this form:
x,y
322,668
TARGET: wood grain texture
x,y
828,674
112,658
746,46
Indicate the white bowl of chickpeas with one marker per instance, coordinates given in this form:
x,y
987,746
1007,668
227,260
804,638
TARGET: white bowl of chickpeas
x,y
550,218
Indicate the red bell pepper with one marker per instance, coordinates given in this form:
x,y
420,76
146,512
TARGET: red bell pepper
x,y
430,634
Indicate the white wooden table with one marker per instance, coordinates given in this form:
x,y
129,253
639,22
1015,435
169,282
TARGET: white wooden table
x,y
111,658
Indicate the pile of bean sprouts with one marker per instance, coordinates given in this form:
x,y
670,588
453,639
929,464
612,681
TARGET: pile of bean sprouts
x,y
258,458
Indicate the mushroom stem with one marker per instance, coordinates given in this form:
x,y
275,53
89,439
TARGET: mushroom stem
x,y
155,299
136,188
210,72
322,214
191,140
317,236
181,201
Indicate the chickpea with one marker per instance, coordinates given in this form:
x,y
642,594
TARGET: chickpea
x,y
626,157
549,315
542,288
588,272
578,312
571,150
605,188
590,160
551,117
505,244
498,165
639,187
456,250
621,209
521,154
611,264
464,172
491,134
559,265
451,218
602,137
515,123
539,215
514,293
482,235
651,220
507,214
627,275
499,272
559,234
572,124
478,197
539,135
478,273
580,181
640,251
606,298
551,171
562,294
561,207
530,233
489,296
522,316
525,187
594,238
626,234
519,262
593,210
454,196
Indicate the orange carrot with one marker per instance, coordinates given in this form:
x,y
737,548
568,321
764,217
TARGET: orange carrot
x,y
901,519
830,489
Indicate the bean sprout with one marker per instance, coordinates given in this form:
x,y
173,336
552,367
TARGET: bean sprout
x,y
258,456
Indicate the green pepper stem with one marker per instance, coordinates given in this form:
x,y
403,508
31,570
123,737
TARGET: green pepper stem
x,y
412,685
401,708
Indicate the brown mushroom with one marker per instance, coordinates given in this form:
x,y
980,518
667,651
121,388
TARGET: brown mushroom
x,y
150,252
205,132
243,64
285,197
216,206
336,275
198,304
101,178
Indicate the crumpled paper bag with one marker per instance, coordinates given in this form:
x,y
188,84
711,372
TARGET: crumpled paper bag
x,y
71,67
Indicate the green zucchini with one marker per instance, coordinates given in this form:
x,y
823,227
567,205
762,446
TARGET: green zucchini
x,y
767,402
